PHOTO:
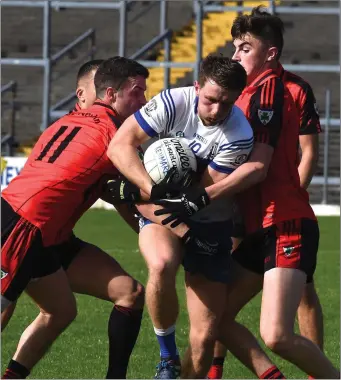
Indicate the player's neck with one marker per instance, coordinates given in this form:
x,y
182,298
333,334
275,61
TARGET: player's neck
x,y
266,67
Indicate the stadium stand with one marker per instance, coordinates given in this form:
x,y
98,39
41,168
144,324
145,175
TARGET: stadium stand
x,y
22,38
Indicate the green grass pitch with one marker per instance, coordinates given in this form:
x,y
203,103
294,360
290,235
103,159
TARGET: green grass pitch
x,y
81,352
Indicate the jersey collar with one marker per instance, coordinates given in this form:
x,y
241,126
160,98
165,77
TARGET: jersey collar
x,y
100,103
196,105
280,70
263,77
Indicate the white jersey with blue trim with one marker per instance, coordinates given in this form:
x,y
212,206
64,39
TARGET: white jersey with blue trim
x,y
224,147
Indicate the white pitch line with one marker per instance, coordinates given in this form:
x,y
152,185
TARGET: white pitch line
x,y
120,250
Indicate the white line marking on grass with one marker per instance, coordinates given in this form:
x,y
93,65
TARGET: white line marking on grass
x,y
120,250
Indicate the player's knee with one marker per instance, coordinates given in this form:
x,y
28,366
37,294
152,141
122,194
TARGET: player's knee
x,y
162,267
60,319
133,296
203,338
277,340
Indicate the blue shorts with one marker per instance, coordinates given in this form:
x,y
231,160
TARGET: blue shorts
x,y
215,268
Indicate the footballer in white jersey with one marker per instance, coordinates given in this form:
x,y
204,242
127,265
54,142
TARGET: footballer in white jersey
x,y
223,146
222,139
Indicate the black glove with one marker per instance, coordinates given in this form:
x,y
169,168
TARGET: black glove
x,y
120,190
197,242
167,189
190,201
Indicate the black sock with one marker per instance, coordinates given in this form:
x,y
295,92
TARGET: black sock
x,y
218,360
15,370
123,329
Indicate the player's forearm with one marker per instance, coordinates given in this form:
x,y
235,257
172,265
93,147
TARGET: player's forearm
x,y
147,210
247,175
126,160
127,214
307,168
310,153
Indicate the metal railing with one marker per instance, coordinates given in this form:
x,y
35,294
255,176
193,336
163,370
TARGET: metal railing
x,y
200,8
47,61
90,35
165,36
8,140
57,110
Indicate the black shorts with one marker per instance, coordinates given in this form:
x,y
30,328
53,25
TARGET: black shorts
x,y
23,256
288,244
238,230
215,268
68,250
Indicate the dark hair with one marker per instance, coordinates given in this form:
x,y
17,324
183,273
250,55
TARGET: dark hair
x,y
226,72
115,71
267,27
88,67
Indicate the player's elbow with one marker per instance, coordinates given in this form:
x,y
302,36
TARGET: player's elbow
x,y
310,154
113,151
111,155
314,158
260,171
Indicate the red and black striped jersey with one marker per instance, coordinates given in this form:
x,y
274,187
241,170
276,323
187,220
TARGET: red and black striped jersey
x,y
65,173
304,99
273,116
76,108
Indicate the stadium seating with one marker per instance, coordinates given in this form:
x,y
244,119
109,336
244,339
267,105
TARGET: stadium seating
x,y
183,48
22,37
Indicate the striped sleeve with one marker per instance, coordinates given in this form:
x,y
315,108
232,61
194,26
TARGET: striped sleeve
x,y
158,115
266,111
233,154
309,116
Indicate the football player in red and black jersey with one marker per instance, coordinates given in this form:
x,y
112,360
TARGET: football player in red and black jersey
x,y
62,178
310,316
86,94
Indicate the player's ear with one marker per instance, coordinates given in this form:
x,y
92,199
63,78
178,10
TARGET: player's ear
x,y
80,93
272,54
197,87
111,94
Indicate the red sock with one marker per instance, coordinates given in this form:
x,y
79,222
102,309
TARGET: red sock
x,y
272,373
216,370
310,377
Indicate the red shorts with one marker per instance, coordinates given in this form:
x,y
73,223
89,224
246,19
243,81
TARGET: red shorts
x,y
289,244
23,255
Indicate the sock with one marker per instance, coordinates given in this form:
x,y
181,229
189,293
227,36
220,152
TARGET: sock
x,y
15,370
310,377
166,339
272,373
123,329
217,367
